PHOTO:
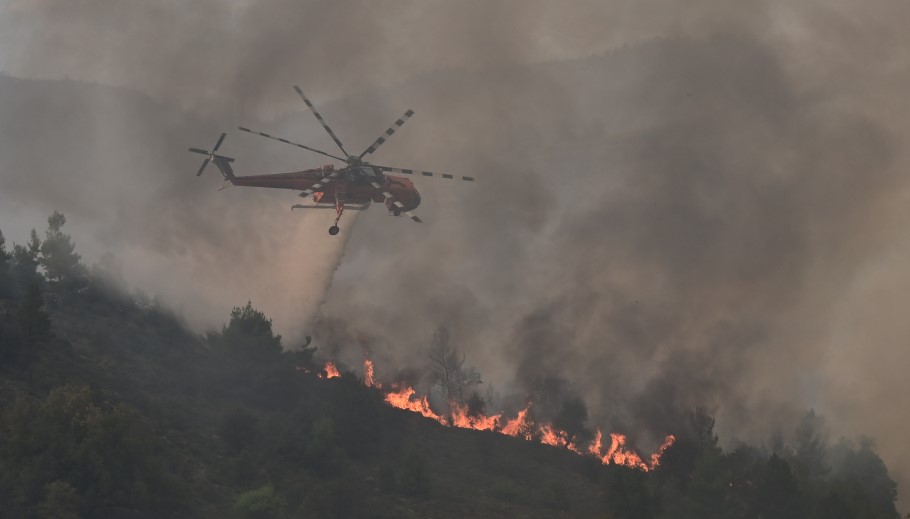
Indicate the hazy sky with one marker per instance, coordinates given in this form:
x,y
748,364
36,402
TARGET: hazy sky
x,y
678,203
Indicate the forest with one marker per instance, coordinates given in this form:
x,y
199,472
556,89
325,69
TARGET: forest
x,y
111,407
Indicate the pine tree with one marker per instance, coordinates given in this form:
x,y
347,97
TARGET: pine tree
x,y
31,324
249,334
34,321
58,258
572,417
811,447
24,268
5,257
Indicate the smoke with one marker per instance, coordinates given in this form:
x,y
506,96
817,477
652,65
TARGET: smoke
x,y
676,205
116,164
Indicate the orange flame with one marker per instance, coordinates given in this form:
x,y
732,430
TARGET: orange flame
x,y
618,454
668,442
480,422
522,426
402,400
330,371
552,436
595,447
368,379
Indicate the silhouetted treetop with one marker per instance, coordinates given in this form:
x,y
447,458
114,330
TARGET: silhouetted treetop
x,y
58,256
249,334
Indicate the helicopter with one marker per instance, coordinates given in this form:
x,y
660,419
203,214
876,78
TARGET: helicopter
x,y
353,186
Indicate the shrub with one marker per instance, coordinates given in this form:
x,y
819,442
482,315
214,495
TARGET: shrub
x,y
60,502
261,503
415,478
239,429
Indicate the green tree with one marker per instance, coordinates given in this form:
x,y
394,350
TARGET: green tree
x,y
627,494
777,492
32,326
571,418
321,449
61,501
5,277
777,445
34,244
357,416
249,335
701,424
341,497
239,429
695,441
869,488
261,503
24,269
811,447
58,258
834,505
34,321
99,450
302,358
710,490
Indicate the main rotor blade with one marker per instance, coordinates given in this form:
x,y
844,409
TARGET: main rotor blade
x,y
388,133
279,139
318,185
395,201
422,173
197,150
218,144
321,120
204,164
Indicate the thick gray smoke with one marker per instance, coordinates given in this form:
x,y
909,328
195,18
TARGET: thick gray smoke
x,y
677,204
116,164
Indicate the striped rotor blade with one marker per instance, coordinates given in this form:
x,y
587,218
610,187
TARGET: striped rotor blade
x,y
424,173
388,133
280,139
318,185
197,150
395,202
321,120
204,164
218,144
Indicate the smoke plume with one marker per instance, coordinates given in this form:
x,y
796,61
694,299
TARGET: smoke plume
x,y
676,205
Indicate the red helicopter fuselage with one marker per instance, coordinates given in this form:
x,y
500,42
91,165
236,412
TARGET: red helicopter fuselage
x,y
351,192
354,186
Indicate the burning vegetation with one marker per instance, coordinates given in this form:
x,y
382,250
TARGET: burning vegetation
x,y
329,371
229,425
521,426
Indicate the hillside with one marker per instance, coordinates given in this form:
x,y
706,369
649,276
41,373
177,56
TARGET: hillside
x,y
199,426
111,408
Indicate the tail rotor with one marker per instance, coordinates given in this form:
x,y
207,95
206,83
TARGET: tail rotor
x,y
221,161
